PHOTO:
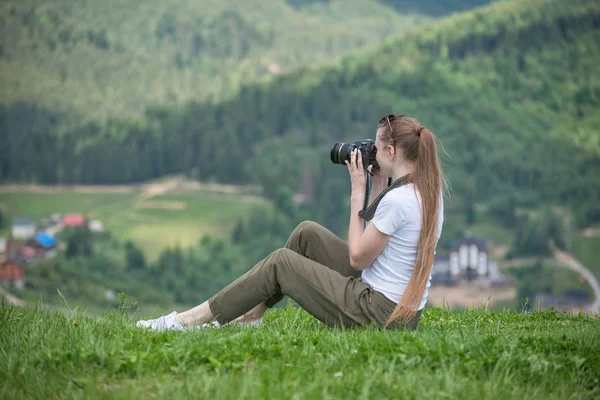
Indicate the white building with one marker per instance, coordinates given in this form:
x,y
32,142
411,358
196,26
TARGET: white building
x,y
23,227
469,258
96,226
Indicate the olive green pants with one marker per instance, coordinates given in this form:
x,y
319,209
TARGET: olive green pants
x,y
314,270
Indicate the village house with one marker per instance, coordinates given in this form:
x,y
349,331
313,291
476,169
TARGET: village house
x,y
4,249
55,218
12,272
96,226
23,228
41,245
8,248
440,272
74,220
45,223
468,260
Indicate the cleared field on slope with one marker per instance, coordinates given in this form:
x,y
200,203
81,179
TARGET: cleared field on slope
x,y
153,223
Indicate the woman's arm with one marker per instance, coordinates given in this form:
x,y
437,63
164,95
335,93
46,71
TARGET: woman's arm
x,y
378,187
364,245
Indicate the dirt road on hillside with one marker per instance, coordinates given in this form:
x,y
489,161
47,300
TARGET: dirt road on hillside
x,y
43,189
573,264
12,299
150,189
563,260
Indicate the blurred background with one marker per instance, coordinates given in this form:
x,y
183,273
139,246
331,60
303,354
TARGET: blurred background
x,y
161,148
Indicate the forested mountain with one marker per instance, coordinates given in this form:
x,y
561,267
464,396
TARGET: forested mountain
x,y
512,90
434,7
96,59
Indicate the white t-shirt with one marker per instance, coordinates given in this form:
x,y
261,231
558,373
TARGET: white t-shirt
x,y
399,215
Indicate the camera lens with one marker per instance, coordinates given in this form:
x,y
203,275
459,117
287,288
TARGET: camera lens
x,y
340,152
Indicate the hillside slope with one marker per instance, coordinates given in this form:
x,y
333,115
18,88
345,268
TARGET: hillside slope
x,y
113,58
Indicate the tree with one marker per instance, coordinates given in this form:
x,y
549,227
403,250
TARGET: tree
x,y
134,257
534,234
79,242
470,213
239,232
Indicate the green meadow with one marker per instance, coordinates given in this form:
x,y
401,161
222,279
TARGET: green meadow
x,y
468,354
178,218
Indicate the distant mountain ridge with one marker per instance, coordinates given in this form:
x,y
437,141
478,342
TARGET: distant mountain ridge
x,y
101,59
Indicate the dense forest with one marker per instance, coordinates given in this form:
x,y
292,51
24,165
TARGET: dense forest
x,y
99,59
511,90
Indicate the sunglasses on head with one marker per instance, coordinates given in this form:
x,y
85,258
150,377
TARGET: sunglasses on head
x,y
388,118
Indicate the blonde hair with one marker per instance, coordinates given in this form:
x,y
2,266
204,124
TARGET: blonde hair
x,y
418,146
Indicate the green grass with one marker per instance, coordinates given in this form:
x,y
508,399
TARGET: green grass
x,y
465,354
152,229
61,300
41,205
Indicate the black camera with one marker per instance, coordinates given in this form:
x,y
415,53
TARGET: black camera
x,y
340,152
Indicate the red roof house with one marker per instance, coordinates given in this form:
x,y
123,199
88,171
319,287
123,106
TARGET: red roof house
x,y
12,270
29,251
74,220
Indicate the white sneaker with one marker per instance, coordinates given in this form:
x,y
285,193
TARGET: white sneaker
x,y
171,322
165,323
211,324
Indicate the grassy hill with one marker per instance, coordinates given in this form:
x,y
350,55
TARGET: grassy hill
x,y
466,355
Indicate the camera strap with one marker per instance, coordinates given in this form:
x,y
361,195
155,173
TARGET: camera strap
x,y
367,213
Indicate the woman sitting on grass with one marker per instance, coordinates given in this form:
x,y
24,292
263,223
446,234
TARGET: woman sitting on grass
x,y
381,276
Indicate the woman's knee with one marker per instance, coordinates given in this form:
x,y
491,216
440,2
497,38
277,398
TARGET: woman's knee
x,y
279,259
301,229
306,227
282,256
284,264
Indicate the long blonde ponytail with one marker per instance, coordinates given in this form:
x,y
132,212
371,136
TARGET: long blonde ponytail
x,y
419,147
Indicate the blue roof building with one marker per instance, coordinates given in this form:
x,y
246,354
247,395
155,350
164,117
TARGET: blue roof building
x,y
45,239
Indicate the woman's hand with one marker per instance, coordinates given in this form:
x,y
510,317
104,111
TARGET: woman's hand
x,y
358,176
